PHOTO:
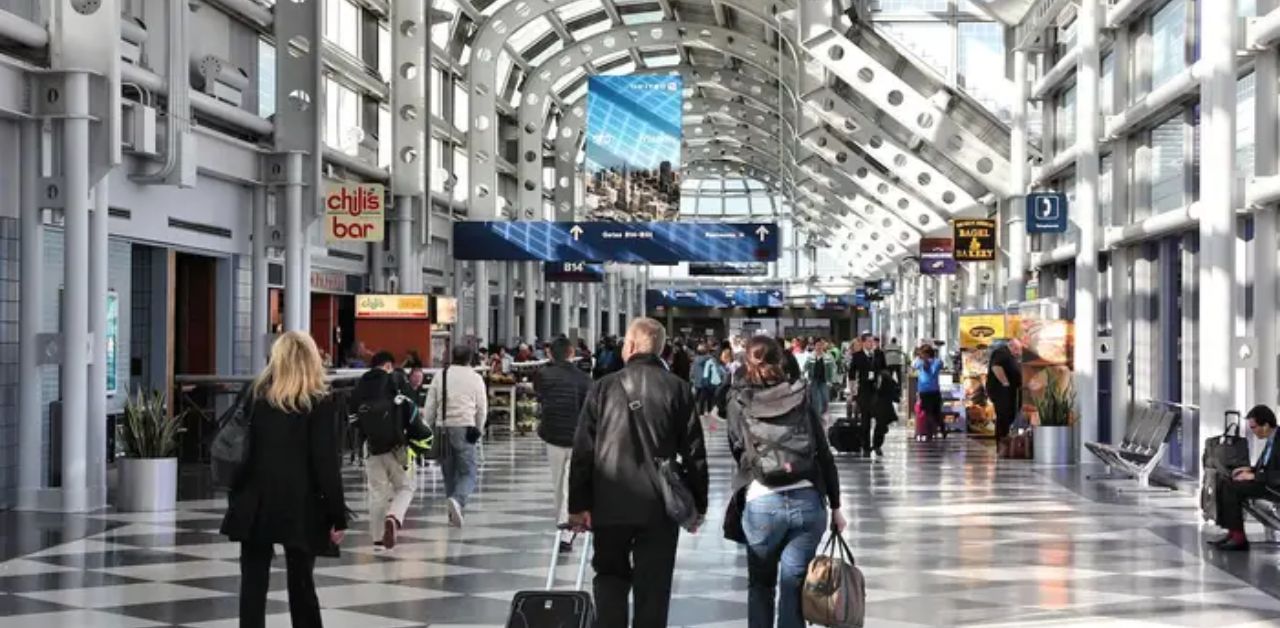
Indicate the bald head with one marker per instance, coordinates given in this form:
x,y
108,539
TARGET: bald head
x,y
1015,347
644,335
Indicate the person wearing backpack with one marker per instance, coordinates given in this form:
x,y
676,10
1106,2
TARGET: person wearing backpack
x,y
459,398
383,409
786,480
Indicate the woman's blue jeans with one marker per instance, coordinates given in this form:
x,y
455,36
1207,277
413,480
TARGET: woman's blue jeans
x,y
783,531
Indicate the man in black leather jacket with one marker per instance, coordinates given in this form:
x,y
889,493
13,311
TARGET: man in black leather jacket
x,y
562,389
611,485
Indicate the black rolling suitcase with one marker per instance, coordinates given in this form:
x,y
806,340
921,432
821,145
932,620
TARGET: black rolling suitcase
x,y
556,609
1222,455
844,436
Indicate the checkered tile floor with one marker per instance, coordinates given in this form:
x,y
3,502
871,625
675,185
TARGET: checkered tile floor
x,y
945,534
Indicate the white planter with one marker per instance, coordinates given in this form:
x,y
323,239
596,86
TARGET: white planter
x,y
147,485
1054,445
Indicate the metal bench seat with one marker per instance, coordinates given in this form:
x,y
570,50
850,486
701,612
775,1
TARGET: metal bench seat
x,y
1141,450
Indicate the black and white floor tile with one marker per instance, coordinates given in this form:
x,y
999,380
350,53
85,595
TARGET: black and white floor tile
x,y
946,535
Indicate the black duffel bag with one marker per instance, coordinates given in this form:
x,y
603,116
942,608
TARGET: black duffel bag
x,y
1228,451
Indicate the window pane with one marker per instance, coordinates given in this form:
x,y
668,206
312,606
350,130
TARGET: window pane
x,y
460,170
1167,166
928,42
266,78
384,137
1107,96
981,51
460,107
342,25
1245,93
912,6
384,53
1066,120
1168,42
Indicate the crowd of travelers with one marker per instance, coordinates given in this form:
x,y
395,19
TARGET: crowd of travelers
x,y
640,393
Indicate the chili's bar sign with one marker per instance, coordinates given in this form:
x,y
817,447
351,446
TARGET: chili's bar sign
x,y
391,306
975,240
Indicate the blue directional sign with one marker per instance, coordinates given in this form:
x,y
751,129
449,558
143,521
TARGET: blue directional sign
x,y
628,242
1047,212
573,272
715,298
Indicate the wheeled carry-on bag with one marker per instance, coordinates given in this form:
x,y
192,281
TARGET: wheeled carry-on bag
x,y
556,609
1222,455
844,436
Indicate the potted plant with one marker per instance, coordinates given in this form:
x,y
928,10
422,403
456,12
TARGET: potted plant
x,y
148,478
1055,407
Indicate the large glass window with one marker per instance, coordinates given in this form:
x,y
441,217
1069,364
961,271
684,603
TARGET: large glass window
x,y
1065,120
1168,42
384,137
930,42
266,78
1168,166
1245,122
461,107
982,49
342,25
438,174
342,118
440,31
1107,95
461,170
384,53
911,6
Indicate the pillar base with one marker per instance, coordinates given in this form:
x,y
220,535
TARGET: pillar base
x,y
53,500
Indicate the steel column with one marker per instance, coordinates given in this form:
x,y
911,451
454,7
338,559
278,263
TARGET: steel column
x,y
593,315
378,269
1016,281
260,294
96,406
568,308
1218,216
406,259
943,314
529,326
1085,215
31,290
923,313
544,328
1266,138
75,297
1121,339
611,323
296,245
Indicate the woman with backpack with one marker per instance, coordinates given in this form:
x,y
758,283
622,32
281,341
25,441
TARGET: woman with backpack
x,y
290,490
785,482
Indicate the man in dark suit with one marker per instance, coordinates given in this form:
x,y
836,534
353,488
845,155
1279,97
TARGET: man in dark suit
x,y
865,367
611,485
1248,482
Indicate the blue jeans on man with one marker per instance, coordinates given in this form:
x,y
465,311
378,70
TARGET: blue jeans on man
x,y
820,397
459,466
783,531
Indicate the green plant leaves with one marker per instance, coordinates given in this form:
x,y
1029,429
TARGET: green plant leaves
x,y
147,431
1056,407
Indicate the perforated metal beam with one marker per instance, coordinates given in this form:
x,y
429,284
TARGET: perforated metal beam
x,y
915,111
927,181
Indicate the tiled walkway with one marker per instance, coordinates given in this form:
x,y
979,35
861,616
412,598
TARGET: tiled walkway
x,y
945,535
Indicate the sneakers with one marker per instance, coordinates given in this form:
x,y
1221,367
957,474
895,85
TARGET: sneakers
x,y
389,527
455,513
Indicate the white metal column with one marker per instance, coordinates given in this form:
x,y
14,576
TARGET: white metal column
x,y
529,324
296,248
1085,215
31,290
1016,285
1121,317
943,313
923,313
96,406
406,258
593,315
1217,215
611,322
1266,140
480,270
260,295
548,308
507,282
568,308
75,294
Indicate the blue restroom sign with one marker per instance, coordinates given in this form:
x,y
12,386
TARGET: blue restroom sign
x,y
1047,212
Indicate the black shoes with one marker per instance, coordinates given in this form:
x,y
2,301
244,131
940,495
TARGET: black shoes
x,y
566,547
877,452
1228,544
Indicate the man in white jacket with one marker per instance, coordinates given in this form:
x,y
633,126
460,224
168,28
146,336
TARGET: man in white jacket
x,y
463,413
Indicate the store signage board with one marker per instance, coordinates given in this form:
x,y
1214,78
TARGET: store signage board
x,y
446,309
887,287
630,242
937,256
1047,212
573,272
354,212
392,306
975,240
728,269
715,298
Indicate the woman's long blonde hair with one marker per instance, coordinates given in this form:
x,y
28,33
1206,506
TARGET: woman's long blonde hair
x,y
294,377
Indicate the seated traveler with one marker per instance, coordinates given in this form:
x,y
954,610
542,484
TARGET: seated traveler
x,y
1248,482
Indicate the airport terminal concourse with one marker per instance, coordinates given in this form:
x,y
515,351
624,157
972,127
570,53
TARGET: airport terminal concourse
x,y
639,313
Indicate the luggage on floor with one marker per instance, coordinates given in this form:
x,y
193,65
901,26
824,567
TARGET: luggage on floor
x,y
923,429
1228,451
556,609
844,436
1019,445
1209,492
835,592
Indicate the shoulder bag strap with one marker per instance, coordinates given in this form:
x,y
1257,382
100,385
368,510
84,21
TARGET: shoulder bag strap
x,y
636,415
444,392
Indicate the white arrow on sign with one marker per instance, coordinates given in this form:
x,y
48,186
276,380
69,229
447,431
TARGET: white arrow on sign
x,y
762,231
576,232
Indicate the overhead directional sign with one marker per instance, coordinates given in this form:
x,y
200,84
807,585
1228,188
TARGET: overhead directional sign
x,y
975,240
727,269
1047,212
937,256
574,272
628,242
715,298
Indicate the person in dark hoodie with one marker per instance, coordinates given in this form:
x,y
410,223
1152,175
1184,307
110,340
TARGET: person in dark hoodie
x,y
785,482
561,388
384,408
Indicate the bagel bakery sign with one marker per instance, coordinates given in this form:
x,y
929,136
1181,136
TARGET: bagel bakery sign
x,y
354,212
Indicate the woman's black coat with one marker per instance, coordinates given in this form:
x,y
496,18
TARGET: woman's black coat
x,y
291,493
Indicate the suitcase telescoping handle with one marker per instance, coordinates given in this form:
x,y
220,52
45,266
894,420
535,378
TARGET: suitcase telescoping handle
x,y
555,558
1227,423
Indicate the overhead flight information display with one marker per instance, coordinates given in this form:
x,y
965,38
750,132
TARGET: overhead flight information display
x,y
715,298
627,242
